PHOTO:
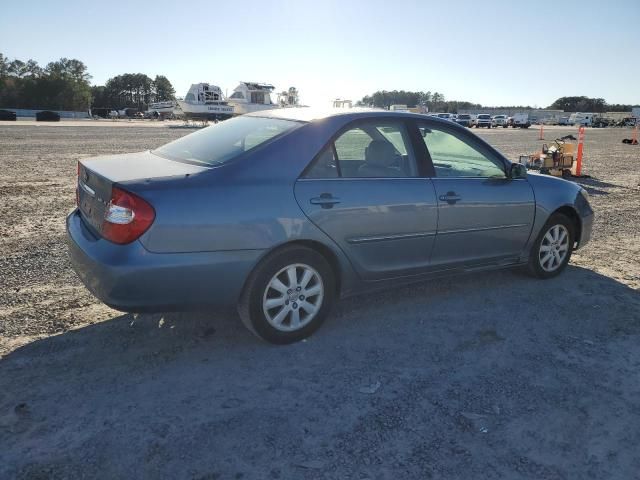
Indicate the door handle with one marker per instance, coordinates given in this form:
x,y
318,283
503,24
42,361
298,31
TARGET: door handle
x,y
325,200
450,198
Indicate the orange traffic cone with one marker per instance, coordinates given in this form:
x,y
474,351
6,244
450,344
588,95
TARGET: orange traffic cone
x,y
580,147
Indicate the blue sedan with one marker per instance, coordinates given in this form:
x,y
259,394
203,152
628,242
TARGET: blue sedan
x,y
280,213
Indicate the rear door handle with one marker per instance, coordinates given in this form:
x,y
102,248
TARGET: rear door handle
x,y
325,200
450,198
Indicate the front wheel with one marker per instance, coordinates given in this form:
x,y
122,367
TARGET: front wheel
x,y
288,296
552,249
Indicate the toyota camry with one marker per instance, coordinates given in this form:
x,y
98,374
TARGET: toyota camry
x,y
280,213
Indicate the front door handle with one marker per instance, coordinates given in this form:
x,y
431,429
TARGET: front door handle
x,y
325,200
450,198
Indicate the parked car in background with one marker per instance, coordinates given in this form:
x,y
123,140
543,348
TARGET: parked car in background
x,y
499,121
47,116
483,120
8,115
564,121
446,116
280,213
602,122
464,119
521,120
627,122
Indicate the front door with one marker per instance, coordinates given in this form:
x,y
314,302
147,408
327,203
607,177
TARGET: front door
x,y
364,191
484,216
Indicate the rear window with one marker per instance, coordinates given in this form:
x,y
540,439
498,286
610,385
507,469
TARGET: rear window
x,y
464,117
220,143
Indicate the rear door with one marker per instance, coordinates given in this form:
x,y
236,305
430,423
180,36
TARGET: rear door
x,y
484,216
366,191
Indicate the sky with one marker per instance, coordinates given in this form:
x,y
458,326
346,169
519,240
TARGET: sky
x,y
493,53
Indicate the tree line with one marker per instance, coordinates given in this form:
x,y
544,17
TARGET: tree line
x,y
132,90
433,101
436,102
61,85
586,104
64,85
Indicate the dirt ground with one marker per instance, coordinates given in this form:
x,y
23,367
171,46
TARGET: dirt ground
x,y
493,375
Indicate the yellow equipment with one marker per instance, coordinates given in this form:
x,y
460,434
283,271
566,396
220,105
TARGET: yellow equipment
x,y
557,160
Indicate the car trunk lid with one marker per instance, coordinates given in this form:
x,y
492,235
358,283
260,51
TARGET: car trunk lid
x,y
97,176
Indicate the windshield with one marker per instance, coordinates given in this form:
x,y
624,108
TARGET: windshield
x,y
226,140
463,117
484,117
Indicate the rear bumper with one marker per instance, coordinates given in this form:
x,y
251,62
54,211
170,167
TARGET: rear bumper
x,y
132,279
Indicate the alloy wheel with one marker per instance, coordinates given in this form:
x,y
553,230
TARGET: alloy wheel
x,y
293,297
554,248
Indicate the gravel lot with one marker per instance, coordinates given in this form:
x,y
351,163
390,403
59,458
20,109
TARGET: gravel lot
x,y
492,375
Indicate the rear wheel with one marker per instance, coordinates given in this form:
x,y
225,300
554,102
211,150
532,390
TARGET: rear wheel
x,y
288,296
552,249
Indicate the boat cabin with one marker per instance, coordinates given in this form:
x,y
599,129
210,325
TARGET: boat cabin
x,y
251,92
204,93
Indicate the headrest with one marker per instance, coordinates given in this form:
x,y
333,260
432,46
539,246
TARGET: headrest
x,y
380,153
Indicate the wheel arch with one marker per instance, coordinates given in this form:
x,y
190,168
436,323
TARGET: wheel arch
x,y
572,214
329,255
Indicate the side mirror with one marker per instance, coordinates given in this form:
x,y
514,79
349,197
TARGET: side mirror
x,y
518,171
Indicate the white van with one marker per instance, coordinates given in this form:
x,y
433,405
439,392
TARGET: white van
x,y
521,120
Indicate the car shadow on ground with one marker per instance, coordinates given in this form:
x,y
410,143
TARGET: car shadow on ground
x,y
595,186
490,371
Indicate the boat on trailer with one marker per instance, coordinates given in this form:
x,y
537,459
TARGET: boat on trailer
x,y
162,108
205,102
250,97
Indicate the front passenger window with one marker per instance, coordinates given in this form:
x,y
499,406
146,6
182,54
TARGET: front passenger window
x,y
453,157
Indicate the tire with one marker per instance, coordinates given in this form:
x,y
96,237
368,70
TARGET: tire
x,y
540,265
277,324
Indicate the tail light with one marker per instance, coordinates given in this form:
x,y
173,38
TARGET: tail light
x,y
127,217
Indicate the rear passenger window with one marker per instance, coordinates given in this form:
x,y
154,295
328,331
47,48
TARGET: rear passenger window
x,y
368,150
324,166
352,144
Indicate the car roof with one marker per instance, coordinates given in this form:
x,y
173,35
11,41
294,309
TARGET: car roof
x,y
308,114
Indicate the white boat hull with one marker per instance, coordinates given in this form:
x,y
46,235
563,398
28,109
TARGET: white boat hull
x,y
206,111
242,108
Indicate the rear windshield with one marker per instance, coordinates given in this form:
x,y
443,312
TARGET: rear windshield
x,y
463,116
217,144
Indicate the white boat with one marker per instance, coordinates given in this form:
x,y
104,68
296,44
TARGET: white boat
x,y
161,107
252,97
205,101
